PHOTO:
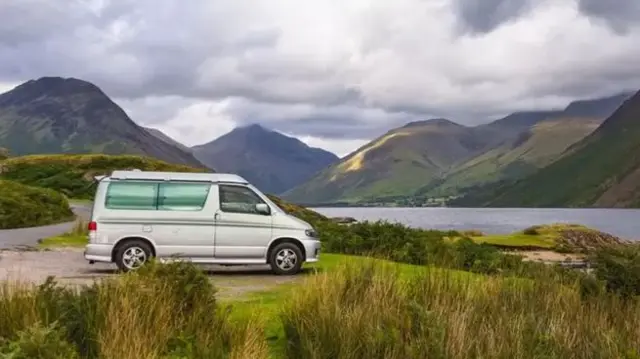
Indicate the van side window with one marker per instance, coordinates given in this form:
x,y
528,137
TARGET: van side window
x,y
182,196
132,195
238,199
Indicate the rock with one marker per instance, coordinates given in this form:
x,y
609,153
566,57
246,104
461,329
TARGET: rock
x,y
343,220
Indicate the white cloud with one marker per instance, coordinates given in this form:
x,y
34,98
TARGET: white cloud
x,y
334,72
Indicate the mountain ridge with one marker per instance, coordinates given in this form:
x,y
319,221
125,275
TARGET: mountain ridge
x,y
512,147
68,115
270,160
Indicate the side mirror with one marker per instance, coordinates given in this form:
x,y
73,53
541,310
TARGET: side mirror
x,y
263,208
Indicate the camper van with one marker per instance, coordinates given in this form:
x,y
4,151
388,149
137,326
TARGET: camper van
x,y
205,218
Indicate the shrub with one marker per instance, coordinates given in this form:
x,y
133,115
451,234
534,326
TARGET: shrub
x,y
532,231
371,311
73,175
39,342
26,206
160,311
619,268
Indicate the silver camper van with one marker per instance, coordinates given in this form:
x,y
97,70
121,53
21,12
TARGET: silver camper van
x,y
206,218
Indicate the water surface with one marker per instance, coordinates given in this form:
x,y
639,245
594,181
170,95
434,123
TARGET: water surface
x,y
624,223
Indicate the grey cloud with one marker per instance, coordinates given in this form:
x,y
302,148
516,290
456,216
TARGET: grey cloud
x,y
482,16
619,15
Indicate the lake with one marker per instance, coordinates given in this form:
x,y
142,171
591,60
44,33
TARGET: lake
x,y
623,223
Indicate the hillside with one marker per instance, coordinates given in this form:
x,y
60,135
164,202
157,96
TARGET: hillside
x,y
271,161
162,136
26,206
395,164
73,175
531,150
58,115
602,170
431,159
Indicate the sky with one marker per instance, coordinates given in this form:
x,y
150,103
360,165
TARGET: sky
x,y
334,73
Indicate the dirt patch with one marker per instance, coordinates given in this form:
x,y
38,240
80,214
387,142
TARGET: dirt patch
x,y
69,267
550,256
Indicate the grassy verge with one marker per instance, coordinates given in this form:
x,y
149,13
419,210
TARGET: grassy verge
x,y
77,237
560,237
348,307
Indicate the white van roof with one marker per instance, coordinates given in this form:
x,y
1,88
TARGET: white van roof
x,y
178,176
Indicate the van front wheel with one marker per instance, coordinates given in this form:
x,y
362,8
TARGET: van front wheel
x,y
132,255
286,259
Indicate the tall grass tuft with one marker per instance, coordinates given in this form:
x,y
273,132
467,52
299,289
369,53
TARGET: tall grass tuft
x,y
371,312
160,311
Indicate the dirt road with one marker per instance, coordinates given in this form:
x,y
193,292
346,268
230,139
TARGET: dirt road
x,y
70,268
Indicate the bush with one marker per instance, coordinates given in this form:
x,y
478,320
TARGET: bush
x,y
26,206
619,268
39,342
371,311
161,311
73,175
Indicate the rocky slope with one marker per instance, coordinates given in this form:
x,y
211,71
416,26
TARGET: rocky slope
x,y
440,158
602,170
271,161
67,115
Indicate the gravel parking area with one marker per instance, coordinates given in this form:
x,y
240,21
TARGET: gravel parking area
x,y
70,268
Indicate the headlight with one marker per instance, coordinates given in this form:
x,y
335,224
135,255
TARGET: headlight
x,y
311,233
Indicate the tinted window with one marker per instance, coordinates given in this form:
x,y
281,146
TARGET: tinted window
x,y
238,199
132,195
182,196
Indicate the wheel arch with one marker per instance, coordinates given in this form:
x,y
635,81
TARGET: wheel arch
x,y
124,240
291,240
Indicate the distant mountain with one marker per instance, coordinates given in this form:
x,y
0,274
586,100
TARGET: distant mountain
x,y
601,170
532,140
395,164
67,115
161,135
437,158
272,161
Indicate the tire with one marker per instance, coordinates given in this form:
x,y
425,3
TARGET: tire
x,y
135,247
278,259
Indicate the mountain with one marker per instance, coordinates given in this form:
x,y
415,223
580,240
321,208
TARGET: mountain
x,y
162,136
601,170
271,161
394,164
532,140
438,158
67,115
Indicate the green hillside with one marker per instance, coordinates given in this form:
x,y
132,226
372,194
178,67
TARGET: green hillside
x,y
602,170
73,175
27,206
394,164
534,148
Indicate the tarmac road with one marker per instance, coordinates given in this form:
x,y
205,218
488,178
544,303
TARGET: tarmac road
x,y
25,237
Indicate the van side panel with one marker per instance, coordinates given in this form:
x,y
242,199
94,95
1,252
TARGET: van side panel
x,y
181,233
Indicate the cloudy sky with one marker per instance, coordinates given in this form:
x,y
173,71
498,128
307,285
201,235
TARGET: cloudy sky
x,y
334,73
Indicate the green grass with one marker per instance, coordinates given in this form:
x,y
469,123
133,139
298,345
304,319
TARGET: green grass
x,y
26,206
555,236
76,237
73,175
517,240
267,305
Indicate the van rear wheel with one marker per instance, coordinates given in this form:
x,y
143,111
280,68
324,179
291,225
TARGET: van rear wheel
x,y
132,255
286,259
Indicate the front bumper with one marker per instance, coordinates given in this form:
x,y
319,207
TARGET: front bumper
x,y
312,250
98,253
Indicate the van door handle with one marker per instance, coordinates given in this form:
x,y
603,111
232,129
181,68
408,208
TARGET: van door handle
x,y
216,216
